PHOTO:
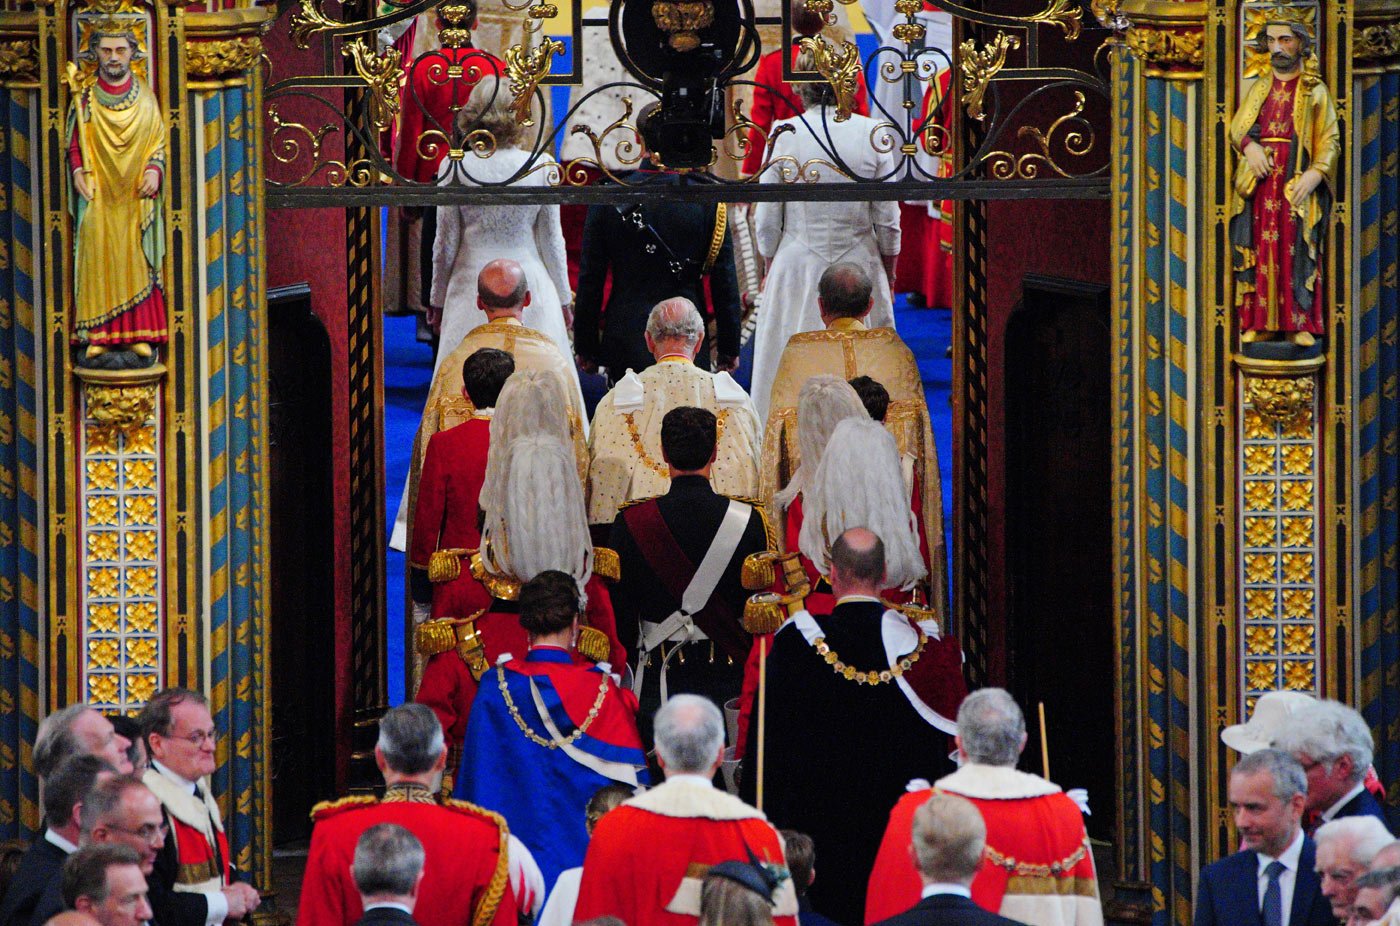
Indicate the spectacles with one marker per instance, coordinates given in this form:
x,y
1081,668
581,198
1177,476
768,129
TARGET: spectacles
x,y
199,737
147,833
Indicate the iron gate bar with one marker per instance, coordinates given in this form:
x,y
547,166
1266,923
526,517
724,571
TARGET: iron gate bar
x,y
308,197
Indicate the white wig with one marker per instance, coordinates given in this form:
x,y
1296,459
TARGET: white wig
x,y
542,523
860,483
824,402
532,402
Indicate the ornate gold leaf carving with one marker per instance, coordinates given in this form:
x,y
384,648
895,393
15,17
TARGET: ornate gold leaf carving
x,y
103,653
1297,495
840,66
307,21
1297,567
456,21
103,618
1261,676
103,689
104,582
1376,44
1297,532
141,653
1281,399
1168,49
118,407
526,69
204,60
141,545
1298,602
141,510
1259,603
102,510
139,688
682,20
1259,567
141,616
1260,532
19,61
1063,13
1298,640
1259,496
141,580
382,73
1261,641
1298,675
979,67
103,545
1259,461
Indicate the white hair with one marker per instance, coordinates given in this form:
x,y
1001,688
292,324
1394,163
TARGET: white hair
x,y
860,483
824,402
689,733
1364,837
1324,732
675,319
532,402
542,523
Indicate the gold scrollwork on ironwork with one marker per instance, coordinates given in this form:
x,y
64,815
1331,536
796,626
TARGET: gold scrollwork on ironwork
x,y
626,150
455,31
204,60
979,66
1078,142
382,73
1377,44
1063,13
1166,50
911,30
839,65
1281,400
682,20
19,61
307,21
525,70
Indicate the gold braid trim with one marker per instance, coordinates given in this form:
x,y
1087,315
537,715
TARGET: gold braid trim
x,y
660,467
1026,869
716,237
769,535
500,878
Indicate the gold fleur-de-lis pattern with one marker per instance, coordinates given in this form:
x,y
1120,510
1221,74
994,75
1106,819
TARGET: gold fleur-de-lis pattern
x,y
121,569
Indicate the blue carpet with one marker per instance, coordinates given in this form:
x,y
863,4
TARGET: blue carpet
x,y
408,368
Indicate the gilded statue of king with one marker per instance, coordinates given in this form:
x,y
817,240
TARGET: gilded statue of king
x,y
116,158
1286,134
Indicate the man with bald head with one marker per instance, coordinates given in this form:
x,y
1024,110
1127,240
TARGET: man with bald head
x,y
502,294
843,698
625,460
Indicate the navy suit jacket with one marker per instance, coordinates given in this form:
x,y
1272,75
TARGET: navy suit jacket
x,y
947,910
1363,805
1228,893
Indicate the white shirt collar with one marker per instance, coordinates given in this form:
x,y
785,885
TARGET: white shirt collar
x,y
1331,812
941,887
388,905
1289,857
845,598
54,839
692,778
178,779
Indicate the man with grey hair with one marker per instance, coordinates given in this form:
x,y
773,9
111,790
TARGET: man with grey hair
x,y
1376,902
1333,744
1345,849
1272,880
948,841
388,869
659,844
77,729
468,849
625,460
1028,819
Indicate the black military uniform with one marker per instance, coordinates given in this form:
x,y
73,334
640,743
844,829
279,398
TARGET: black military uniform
x,y
656,250
692,513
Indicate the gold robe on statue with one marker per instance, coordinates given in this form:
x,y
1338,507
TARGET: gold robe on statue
x,y
848,349
625,446
447,406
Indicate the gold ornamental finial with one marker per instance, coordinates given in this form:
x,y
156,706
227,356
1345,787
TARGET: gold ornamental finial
x,y
840,65
526,69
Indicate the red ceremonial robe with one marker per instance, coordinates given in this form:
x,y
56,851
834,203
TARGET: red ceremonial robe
x,y
1031,824
449,491
431,99
647,857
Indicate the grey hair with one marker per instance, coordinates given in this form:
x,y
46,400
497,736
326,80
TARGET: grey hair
x,y
543,523
103,800
823,402
1385,880
675,319
1326,731
1287,772
812,93
56,740
388,860
689,733
410,738
489,109
1364,837
991,727
949,836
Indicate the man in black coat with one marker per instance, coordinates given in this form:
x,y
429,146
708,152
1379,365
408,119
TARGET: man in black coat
x,y
949,837
680,600
1275,872
653,250
63,793
1333,744
387,868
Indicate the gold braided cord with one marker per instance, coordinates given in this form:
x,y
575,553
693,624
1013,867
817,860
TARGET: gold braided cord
x,y
534,737
716,237
500,878
852,674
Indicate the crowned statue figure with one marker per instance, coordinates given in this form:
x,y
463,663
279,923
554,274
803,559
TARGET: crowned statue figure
x,y
1286,134
116,159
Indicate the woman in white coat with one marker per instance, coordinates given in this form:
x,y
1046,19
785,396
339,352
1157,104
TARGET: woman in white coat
x,y
801,239
470,237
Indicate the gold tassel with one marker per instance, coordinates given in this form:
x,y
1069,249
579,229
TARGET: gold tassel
x,y
758,571
593,644
607,563
764,613
445,565
436,636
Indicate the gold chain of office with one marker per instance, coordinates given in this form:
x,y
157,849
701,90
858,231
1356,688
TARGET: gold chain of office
x,y
873,677
535,737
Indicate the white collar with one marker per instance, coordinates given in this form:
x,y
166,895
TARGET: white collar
x,y
944,887
483,412
388,905
1289,856
177,779
855,598
55,839
692,778
1331,812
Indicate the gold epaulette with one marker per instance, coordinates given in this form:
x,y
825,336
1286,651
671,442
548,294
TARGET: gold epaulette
x,y
460,633
637,501
435,636
327,809
770,536
593,644
607,564
505,588
764,613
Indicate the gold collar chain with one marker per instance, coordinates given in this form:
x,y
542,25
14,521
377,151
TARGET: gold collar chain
x,y
851,674
647,460
535,737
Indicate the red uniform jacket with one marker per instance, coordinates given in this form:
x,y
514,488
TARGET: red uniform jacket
x,y
467,877
773,99
449,491
647,857
431,100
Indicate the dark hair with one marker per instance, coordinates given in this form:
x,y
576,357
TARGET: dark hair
x,y
603,800
688,437
484,374
156,716
1385,880
844,290
859,565
68,785
129,728
801,855
85,871
410,739
1305,40
548,603
875,397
